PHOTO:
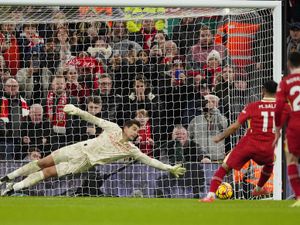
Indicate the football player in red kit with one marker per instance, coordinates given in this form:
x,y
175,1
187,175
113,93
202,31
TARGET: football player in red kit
x,y
289,92
256,143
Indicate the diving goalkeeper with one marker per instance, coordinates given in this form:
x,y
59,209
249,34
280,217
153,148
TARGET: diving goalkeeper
x,y
113,144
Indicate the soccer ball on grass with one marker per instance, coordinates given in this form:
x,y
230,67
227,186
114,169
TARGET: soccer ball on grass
x,y
224,191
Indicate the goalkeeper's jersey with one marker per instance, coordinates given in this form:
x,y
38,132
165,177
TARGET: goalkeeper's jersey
x,y
107,147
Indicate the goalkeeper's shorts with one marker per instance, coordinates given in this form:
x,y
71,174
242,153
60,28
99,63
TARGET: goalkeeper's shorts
x,y
70,160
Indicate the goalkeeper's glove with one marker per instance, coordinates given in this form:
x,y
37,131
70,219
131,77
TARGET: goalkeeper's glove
x,y
177,170
72,110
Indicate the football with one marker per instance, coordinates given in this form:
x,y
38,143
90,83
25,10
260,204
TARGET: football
x,y
224,191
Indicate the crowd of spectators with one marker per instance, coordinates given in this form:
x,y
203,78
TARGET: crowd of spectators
x,y
183,84
293,39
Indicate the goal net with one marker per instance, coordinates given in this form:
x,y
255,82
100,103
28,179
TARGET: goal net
x,y
184,73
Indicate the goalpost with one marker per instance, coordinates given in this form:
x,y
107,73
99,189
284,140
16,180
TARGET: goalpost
x,y
182,50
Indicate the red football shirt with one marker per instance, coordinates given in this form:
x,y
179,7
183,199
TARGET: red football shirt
x,y
260,116
288,91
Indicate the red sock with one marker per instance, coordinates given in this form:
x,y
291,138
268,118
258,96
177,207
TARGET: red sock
x,y
216,180
265,174
293,174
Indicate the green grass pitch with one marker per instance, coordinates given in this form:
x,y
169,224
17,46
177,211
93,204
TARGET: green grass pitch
x,y
141,211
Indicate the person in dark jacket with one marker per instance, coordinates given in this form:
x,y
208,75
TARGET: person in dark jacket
x,y
94,107
181,150
35,131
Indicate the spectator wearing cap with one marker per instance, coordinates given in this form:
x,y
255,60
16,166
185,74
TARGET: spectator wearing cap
x,y
212,68
293,40
9,47
203,127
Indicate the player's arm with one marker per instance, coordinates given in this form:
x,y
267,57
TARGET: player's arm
x,y
226,133
176,170
73,110
243,117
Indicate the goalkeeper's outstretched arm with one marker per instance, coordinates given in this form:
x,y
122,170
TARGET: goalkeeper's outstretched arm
x,y
73,110
176,170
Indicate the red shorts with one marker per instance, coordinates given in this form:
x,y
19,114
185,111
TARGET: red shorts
x,y
246,149
293,140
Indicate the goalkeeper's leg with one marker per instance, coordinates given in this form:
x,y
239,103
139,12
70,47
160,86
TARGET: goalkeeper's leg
x,y
31,180
34,178
28,169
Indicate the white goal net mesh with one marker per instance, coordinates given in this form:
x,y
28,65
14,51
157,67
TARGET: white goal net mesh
x,y
185,74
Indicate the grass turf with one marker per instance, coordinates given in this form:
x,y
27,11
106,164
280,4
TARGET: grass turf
x,y
139,211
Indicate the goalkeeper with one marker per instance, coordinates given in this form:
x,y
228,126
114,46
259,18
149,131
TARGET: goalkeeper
x,y
113,144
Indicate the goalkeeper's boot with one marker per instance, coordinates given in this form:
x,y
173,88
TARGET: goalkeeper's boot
x,y
9,190
3,180
260,192
296,204
210,197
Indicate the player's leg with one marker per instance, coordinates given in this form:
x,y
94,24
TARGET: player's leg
x,y
31,180
216,180
29,168
265,174
293,174
265,158
234,160
292,154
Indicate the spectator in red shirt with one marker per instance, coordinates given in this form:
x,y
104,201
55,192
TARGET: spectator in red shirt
x,y
144,139
9,47
72,85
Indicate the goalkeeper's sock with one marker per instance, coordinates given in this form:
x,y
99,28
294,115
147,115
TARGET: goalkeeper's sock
x,y
294,178
31,180
265,174
25,170
217,179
